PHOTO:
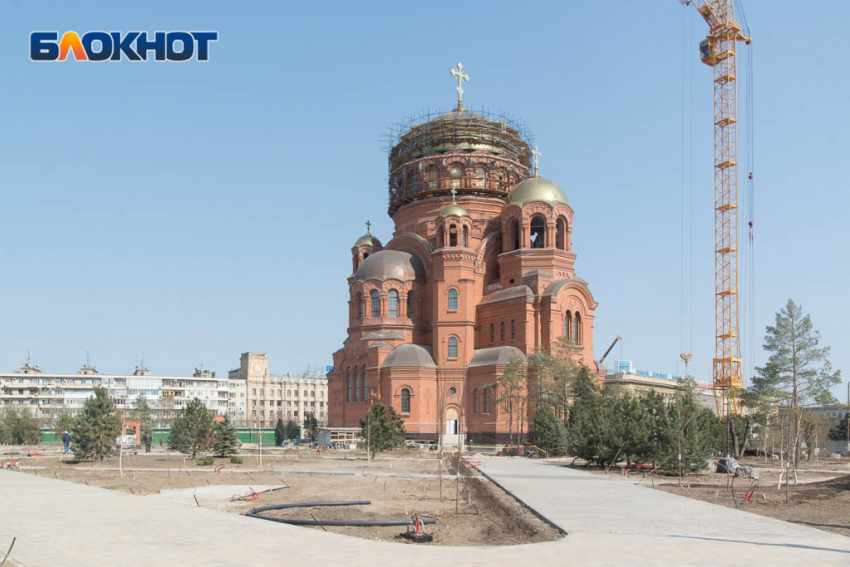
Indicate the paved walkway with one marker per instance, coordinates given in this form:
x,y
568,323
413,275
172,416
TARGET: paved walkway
x,y
59,523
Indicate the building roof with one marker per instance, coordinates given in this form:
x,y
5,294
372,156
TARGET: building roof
x,y
381,344
367,240
376,336
554,287
496,355
454,210
539,189
509,293
391,265
411,355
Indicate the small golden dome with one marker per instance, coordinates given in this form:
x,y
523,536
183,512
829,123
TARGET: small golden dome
x,y
367,240
454,210
538,189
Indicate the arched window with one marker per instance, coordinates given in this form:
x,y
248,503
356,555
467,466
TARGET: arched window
x,y
410,304
515,234
393,303
360,302
487,400
452,235
253,391
348,385
568,323
465,239
452,300
278,392
289,392
492,333
502,331
577,329
376,306
479,177
456,173
433,178
561,234
452,347
261,392
405,400
475,401
363,390
305,393
356,385
538,232
513,330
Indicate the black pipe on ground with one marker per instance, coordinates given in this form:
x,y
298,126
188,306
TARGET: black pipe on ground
x,y
255,513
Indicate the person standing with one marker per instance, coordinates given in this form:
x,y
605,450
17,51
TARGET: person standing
x,y
66,440
147,440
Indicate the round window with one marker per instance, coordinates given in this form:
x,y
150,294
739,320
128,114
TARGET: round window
x,y
452,391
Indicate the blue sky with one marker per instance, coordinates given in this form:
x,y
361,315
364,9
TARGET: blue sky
x,y
195,211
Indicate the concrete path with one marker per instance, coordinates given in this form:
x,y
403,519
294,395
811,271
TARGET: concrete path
x,y
59,523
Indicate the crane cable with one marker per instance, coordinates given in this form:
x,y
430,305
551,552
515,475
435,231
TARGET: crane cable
x,y
749,203
687,89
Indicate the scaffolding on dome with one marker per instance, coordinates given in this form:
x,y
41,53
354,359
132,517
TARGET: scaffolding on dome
x,y
424,133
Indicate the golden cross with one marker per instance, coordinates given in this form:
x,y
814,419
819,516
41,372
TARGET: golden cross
x,y
368,226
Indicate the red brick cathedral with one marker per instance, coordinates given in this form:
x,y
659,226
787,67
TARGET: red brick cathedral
x,y
480,268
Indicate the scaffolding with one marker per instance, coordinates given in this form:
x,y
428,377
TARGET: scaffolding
x,y
413,143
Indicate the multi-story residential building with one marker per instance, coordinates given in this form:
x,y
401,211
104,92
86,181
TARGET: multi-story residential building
x,y
258,397
46,395
250,395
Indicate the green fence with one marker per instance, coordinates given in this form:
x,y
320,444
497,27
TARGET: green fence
x,y
160,435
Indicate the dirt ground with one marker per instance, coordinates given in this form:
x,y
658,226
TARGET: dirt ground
x,y
469,512
821,499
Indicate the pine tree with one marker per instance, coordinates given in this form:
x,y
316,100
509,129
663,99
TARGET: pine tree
x,y
585,421
656,410
142,412
691,433
224,440
191,429
311,426
548,433
96,427
798,372
285,431
382,428
63,422
839,431
19,427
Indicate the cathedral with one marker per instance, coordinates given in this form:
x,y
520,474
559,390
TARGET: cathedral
x,y
480,269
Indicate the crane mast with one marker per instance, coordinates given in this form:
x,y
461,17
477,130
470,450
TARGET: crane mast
x,y
718,50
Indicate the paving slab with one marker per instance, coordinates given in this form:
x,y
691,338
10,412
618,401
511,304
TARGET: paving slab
x,y
58,523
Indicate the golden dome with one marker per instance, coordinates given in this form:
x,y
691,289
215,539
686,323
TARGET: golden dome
x,y
367,240
538,189
454,210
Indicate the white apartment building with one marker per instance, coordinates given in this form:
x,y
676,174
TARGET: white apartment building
x,y
46,395
258,397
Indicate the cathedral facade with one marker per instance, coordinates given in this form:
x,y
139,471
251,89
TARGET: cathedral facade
x,y
480,269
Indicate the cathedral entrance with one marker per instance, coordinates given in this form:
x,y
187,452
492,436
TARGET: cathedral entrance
x,y
450,433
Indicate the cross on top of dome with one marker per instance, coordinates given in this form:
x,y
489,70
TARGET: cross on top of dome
x,y
461,76
536,153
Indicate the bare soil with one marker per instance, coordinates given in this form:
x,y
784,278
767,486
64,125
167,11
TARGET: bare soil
x,y
471,511
820,499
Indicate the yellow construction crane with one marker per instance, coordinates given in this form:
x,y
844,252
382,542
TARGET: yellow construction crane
x,y
719,51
